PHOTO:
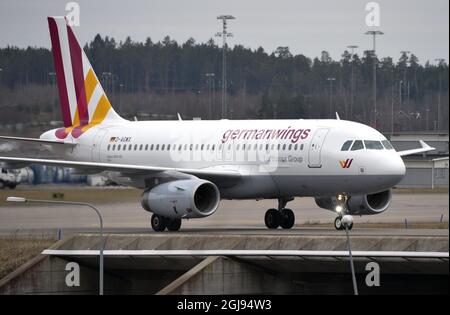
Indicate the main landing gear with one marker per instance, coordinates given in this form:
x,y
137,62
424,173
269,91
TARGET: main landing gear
x,y
341,210
160,223
282,216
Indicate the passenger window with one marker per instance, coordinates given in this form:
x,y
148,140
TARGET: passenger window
x,y
168,147
157,147
357,145
129,147
213,146
109,146
140,147
295,147
114,147
387,145
162,147
347,145
301,147
290,147
373,145
146,147
118,147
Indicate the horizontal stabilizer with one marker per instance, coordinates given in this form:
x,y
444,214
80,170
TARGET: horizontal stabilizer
x,y
424,148
35,140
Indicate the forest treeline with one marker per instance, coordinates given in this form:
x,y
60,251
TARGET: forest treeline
x,y
159,79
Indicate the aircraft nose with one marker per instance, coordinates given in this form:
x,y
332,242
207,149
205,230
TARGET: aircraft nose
x,y
397,168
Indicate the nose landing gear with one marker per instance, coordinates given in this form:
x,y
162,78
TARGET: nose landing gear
x,y
281,217
342,219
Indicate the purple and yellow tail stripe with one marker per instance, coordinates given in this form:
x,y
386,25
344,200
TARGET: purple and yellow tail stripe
x,y
101,110
77,83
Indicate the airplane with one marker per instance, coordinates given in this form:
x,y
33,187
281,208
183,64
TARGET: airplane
x,y
186,167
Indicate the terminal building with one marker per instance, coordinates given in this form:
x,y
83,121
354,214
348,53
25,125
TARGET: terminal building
x,y
429,170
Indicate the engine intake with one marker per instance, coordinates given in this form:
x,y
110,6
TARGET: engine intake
x,y
361,204
187,198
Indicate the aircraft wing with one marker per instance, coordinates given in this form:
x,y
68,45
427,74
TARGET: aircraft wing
x,y
131,170
35,140
424,148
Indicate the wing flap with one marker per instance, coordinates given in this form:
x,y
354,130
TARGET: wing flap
x,y
124,168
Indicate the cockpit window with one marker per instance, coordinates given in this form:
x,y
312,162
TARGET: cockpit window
x,y
347,145
357,145
387,145
373,145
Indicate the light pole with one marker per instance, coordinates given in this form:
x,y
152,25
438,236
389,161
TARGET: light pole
x,y
224,34
352,86
347,220
405,81
73,203
331,94
210,77
440,62
53,79
374,35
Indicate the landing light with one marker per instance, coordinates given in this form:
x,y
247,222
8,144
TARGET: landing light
x,y
339,209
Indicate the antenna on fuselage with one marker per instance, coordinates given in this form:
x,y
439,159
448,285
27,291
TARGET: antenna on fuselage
x,y
179,117
337,116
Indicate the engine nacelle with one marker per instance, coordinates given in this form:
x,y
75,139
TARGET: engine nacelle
x,y
360,205
187,198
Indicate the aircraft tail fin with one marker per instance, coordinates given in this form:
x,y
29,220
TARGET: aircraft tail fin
x,y
83,101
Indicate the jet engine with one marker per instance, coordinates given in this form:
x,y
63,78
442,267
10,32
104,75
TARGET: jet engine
x,y
187,198
361,204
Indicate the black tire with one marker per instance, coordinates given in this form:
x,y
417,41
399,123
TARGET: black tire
x,y
338,224
2,185
272,218
174,225
158,223
287,218
12,186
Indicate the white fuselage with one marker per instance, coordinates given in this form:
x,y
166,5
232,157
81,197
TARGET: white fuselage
x,y
275,157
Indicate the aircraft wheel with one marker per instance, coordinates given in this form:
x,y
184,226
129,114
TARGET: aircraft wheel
x,y
287,218
173,224
338,224
272,218
158,223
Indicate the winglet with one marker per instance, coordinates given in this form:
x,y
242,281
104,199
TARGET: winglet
x,y
337,116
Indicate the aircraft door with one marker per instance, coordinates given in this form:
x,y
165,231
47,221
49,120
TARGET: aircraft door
x,y
315,148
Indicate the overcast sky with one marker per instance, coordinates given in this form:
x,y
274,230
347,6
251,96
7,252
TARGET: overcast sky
x,y
306,27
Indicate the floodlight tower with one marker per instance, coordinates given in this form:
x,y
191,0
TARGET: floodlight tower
x,y
374,35
440,63
224,34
